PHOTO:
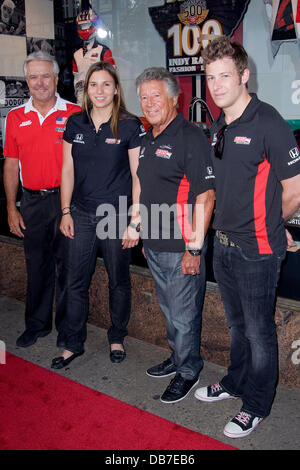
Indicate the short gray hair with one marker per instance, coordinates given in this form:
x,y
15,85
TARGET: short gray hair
x,y
159,74
41,55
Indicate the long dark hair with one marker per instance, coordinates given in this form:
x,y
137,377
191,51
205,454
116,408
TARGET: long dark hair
x,y
119,108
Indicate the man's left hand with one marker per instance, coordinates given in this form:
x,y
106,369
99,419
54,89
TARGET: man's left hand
x,y
190,264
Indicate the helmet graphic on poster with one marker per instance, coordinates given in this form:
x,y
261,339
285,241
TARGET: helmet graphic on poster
x,y
87,22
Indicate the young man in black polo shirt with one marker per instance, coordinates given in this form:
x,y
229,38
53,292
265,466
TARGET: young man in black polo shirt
x,y
175,173
257,166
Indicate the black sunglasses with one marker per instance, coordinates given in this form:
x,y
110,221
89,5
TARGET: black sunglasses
x,y
219,145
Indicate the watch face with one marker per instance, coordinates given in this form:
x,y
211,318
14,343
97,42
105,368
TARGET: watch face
x,y
195,252
138,228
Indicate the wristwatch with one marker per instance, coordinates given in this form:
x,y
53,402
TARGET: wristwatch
x,y
194,251
136,226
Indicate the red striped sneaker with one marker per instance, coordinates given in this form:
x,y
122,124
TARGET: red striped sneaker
x,y
242,425
213,393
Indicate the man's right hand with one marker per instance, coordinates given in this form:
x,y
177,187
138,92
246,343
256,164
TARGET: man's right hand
x,y
15,222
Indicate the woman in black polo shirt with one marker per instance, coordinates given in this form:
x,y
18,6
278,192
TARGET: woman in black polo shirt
x,y
99,184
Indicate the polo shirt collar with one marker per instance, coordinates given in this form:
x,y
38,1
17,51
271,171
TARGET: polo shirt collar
x,y
247,115
172,127
60,105
88,120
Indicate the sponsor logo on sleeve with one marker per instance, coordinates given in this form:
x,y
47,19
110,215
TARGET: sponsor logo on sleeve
x,y
210,173
142,131
295,156
78,139
142,153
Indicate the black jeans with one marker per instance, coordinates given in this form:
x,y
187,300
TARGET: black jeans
x,y
248,284
43,254
80,259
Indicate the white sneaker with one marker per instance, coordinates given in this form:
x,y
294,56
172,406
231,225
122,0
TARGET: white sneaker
x,y
241,425
213,393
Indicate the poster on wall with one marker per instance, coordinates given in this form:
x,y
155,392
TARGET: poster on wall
x,y
12,17
13,92
284,16
40,44
187,25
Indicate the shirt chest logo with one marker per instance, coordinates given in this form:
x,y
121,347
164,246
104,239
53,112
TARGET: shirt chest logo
x,y
242,140
25,123
112,141
78,139
164,152
61,123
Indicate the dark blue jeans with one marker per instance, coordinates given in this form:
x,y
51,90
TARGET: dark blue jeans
x,y
80,259
247,284
180,297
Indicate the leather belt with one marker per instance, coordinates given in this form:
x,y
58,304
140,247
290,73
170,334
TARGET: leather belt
x,y
42,192
223,239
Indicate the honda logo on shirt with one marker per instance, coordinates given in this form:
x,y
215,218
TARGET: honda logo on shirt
x,y
295,156
79,139
294,153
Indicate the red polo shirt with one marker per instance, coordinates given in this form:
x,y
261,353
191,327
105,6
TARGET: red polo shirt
x,y
37,142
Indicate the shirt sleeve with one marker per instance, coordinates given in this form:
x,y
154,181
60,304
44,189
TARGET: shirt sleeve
x,y
281,148
198,165
136,131
11,149
68,132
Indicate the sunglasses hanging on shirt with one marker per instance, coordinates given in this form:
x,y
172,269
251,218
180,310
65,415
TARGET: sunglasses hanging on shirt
x,y
219,145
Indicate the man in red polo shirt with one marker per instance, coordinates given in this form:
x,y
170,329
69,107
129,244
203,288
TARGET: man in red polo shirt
x,y
33,152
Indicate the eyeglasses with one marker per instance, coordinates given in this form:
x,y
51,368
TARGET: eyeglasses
x,y
219,145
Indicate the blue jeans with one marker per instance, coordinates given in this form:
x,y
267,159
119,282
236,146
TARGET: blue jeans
x,y
80,259
180,297
247,284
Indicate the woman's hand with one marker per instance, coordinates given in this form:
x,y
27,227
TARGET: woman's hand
x,y
67,226
130,238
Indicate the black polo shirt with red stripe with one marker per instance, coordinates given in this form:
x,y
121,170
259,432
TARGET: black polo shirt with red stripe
x,y
259,152
173,169
101,162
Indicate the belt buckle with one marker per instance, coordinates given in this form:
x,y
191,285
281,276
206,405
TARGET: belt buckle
x,y
224,240
44,192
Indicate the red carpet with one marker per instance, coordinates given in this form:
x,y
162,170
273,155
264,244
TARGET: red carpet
x,y
42,410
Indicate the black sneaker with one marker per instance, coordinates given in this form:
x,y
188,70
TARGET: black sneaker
x,y
178,389
28,338
241,425
164,369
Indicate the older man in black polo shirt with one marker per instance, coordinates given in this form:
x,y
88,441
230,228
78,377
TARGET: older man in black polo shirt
x,y
175,174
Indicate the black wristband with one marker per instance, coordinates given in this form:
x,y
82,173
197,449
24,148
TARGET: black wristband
x,y
137,227
194,251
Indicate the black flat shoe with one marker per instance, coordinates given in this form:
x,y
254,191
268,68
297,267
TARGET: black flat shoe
x,y
60,362
117,356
